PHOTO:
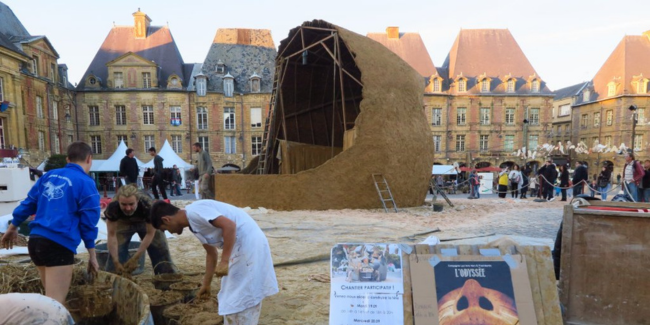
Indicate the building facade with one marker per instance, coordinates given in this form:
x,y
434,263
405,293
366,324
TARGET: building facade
x,y
37,118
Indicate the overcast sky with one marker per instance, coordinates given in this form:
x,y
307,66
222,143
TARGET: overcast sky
x,y
566,41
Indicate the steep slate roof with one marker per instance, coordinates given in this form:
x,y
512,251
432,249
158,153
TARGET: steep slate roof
x,y
409,47
569,91
10,25
8,44
630,58
494,52
159,46
244,52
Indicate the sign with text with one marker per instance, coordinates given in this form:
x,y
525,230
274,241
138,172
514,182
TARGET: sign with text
x,y
367,285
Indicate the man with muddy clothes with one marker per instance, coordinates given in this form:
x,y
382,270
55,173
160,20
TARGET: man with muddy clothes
x,y
246,264
126,215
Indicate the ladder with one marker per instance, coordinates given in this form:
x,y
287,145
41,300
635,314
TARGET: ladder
x,y
435,189
382,189
268,139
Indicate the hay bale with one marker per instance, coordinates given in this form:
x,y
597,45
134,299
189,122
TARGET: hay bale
x,y
392,136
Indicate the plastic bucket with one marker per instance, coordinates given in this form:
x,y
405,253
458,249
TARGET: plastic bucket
x,y
101,251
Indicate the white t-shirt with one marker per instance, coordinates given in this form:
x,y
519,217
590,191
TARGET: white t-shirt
x,y
629,172
32,308
251,276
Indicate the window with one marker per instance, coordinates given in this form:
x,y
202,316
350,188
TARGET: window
x,y
65,81
221,68
96,144
177,143
483,142
93,118
610,117
55,110
52,75
229,118
118,79
35,64
256,117
120,115
584,121
436,114
201,118
205,143
230,145
485,85
228,85
565,110
567,129
586,95
70,139
611,89
437,140
509,143
608,140
201,86
146,80
462,86
461,114
256,145
534,116
535,86
175,115
255,85
436,85
596,120
641,87
511,86
533,141
640,114
41,140
594,140
460,142
510,116
149,142
121,138
2,134
485,116
39,107
638,141
2,93
583,140
147,115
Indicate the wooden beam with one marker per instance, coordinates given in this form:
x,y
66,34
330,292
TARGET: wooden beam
x,y
338,52
320,28
308,47
337,62
291,41
307,110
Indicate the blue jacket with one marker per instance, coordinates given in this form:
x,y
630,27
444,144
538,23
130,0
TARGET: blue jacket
x,y
66,204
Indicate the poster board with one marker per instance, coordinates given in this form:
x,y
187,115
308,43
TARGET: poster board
x,y
367,284
449,290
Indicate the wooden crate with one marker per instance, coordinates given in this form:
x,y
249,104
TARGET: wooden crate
x,y
604,265
540,273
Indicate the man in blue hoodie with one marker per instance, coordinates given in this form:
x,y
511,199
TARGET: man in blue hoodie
x,y
66,204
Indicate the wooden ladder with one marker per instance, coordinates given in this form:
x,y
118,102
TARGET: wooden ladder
x,y
268,139
382,187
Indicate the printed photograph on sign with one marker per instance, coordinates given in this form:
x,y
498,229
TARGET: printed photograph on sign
x,y
366,263
475,293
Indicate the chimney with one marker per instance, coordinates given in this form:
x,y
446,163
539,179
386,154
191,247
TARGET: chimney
x,y
141,24
393,32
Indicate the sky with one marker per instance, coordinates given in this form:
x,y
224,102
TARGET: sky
x,y
566,41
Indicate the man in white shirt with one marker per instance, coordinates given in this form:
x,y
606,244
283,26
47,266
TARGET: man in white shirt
x,y
246,264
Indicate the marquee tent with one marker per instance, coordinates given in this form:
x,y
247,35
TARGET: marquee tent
x,y
443,170
112,164
170,158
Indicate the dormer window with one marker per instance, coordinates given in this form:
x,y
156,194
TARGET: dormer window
x,y
462,85
641,84
485,85
201,84
35,63
534,87
255,83
586,95
510,86
92,81
221,68
118,79
436,85
611,89
228,85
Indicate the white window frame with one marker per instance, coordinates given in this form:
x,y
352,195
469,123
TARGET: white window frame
x,y
484,117
201,86
229,118
41,141
596,119
120,115
52,72
57,144
228,86
35,64
123,137
535,86
55,110
510,84
39,107
175,112
93,116
485,85
2,92
256,145
565,110
460,142
230,145
610,117
462,85
437,140
149,141
147,115
177,143
611,89
436,85
533,142
608,140
638,141
256,117
484,142
96,144
584,120
201,118
533,119
509,142
204,141
436,116
640,114
510,115
118,82
2,133
461,115
146,80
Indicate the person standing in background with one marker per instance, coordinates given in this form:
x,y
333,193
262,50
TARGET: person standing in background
x,y
129,167
646,182
158,182
633,173
564,181
580,177
204,165
604,180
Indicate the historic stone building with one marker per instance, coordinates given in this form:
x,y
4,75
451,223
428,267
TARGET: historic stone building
x,y
561,129
138,89
477,102
38,105
601,115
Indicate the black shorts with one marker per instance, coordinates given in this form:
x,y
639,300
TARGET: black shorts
x,y
45,252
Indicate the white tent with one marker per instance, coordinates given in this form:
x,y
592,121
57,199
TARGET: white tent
x,y
170,158
112,164
443,170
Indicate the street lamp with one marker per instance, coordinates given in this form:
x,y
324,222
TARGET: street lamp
x,y
525,137
633,109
